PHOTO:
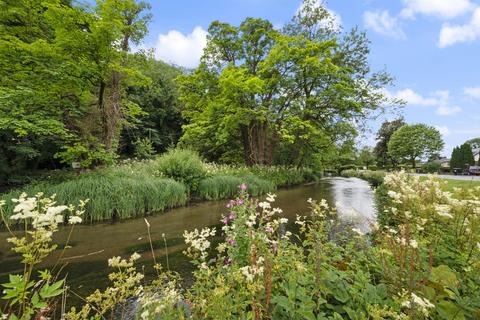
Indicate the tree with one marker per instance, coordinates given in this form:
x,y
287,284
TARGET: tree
x,y
266,90
366,157
462,156
412,142
64,69
160,121
383,138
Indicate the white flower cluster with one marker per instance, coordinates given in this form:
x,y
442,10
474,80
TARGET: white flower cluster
x,y
197,241
156,303
43,212
118,262
250,272
419,303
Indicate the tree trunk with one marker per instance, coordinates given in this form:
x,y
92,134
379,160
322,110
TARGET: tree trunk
x,y
414,164
257,143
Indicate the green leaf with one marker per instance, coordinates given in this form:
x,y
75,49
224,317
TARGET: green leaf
x,y
49,291
445,276
449,311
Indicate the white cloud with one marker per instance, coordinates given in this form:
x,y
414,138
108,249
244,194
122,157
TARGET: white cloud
x,y
472,92
444,131
437,98
446,9
180,49
448,111
452,34
383,23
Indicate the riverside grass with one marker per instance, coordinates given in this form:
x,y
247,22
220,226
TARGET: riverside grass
x,y
138,188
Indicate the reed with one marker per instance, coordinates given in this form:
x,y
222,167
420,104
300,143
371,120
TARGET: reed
x,y
223,186
113,194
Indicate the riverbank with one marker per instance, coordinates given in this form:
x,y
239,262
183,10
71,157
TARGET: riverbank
x,y
141,188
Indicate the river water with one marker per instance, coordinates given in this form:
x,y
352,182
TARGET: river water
x,y
92,245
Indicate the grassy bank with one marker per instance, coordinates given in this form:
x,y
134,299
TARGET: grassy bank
x,y
139,188
375,178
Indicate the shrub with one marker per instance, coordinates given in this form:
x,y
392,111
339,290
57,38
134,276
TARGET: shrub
x,y
182,165
432,167
143,148
375,178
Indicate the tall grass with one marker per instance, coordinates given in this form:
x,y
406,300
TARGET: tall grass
x,y
222,186
118,193
280,176
137,188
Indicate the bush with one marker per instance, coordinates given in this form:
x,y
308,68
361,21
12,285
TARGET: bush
x,y
144,148
182,165
375,178
432,167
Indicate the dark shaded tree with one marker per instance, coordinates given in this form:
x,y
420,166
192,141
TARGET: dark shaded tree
x,y
383,138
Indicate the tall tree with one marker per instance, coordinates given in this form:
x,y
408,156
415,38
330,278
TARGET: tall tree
x,y
160,121
366,157
462,156
383,138
297,87
413,142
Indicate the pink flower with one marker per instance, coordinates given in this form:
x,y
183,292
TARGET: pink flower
x,y
243,187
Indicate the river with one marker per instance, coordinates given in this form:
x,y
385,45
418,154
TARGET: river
x,y
92,245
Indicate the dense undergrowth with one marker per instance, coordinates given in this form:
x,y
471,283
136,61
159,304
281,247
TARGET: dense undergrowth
x,y
423,263
138,188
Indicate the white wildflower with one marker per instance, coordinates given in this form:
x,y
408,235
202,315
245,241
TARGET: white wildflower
x,y
413,244
271,197
443,210
74,220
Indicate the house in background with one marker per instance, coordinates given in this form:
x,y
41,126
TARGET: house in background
x,y
476,153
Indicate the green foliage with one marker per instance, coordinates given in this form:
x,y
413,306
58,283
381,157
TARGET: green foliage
x,y
366,157
375,178
87,156
462,156
432,167
232,103
412,142
384,135
182,165
223,187
160,121
143,149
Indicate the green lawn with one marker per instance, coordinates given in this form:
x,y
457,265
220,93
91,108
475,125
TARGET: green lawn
x,y
451,183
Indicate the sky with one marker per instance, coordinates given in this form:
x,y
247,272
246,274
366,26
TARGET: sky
x,y
430,47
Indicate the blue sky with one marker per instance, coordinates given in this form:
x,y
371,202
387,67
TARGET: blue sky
x,y
431,47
